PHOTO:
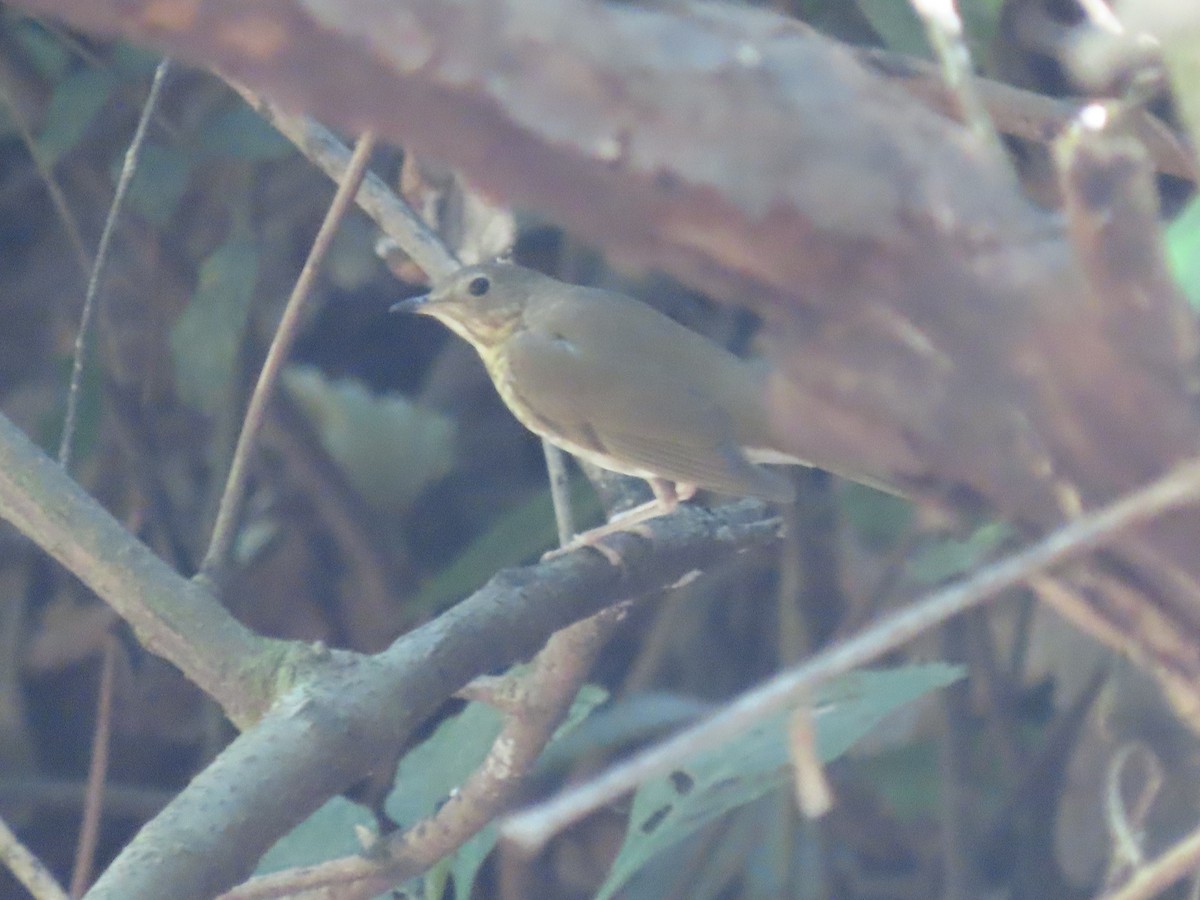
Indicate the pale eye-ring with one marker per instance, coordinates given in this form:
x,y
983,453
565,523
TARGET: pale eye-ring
x,y
479,286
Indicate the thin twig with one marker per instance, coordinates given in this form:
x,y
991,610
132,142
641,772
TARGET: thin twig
x,y
27,868
953,748
560,492
331,723
944,29
93,801
93,289
172,616
46,173
230,508
533,827
395,218
1025,114
546,694
1155,877
1127,821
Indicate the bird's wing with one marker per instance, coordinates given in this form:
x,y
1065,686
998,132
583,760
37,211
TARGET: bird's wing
x,y
635,409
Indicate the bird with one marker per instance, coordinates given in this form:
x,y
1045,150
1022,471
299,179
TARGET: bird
x,y
615,382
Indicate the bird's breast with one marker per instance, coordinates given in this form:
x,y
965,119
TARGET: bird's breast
x,y
578,437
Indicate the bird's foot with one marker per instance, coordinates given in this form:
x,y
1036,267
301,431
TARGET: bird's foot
x,y
631,521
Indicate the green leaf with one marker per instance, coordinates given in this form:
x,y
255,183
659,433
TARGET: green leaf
x,y
667,810
1183,250
879,519
206,339
388,447
47,54
74,105
947,558
981,19
427,775
241,133
902,31
327,834
134,62
896,23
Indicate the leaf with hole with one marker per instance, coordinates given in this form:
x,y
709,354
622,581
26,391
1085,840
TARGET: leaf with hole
x,y
668,810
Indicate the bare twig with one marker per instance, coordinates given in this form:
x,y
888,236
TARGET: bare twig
x,y
93,801
945,32
93,289
1156,876
229,511
343,721
173,617
953,748
386,208
543,697
27,868
1025,114
560,491
46,173
535,826
1126,821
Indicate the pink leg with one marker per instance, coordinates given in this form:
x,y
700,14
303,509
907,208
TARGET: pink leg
x,y
667,496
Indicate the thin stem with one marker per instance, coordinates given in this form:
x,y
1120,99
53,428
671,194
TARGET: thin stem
x,y
395,218
534,827
47,175
93,801
1024,114
171,616
93,289
542,699
945,32
560,492
27,868
229,511
1155,877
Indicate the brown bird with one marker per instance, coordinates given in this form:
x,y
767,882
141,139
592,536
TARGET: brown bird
x,y
616,382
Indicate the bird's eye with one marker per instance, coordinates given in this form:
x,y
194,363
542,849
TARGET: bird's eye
x,y
479,286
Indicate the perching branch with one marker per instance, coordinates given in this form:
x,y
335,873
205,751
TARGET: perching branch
x,y
173,617
351,712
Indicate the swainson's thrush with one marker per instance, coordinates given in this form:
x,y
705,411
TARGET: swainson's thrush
x,y
615,381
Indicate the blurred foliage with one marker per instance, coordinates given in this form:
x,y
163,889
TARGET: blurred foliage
x,y
207,338
1183,251
76,102
442,489
667,810
388,447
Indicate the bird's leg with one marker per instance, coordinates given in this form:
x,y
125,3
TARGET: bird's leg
x,y
667,496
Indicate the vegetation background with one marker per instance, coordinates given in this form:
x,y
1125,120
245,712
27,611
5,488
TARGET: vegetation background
x,y
390,482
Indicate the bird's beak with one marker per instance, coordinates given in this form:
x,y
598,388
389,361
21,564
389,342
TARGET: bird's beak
x,y
411,305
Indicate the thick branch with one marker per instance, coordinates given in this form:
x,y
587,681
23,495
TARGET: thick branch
x,y
173,617
345,722
736,149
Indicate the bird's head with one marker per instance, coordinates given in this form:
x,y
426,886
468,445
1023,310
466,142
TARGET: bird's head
x,y
483,304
